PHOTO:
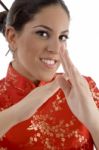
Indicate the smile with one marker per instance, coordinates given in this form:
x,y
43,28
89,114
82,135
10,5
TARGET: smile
x,y
50,63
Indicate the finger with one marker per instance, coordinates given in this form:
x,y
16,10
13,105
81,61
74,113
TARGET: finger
x,y
73,73
64,62
65,85
47,90
77,79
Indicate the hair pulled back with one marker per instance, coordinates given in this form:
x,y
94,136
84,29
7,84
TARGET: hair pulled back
x,y
22,11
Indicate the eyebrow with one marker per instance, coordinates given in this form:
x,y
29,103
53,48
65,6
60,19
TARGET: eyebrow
x,y
48,28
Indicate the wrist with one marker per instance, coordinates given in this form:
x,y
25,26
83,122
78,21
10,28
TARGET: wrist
x,y
10,116
92,121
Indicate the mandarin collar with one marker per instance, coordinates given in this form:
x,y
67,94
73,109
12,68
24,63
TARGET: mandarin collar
x,y
19,81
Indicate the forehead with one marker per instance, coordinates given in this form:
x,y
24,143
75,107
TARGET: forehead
x,y
53,16
52,10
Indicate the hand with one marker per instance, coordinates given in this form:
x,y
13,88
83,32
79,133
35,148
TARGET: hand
x,y
24,109
29,104
76,90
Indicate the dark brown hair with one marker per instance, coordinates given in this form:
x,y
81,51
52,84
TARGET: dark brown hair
x,y
22,11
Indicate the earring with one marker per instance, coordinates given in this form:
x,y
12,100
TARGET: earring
x,y
13,53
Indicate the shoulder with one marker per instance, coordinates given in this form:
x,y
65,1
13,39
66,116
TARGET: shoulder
x,y
4,96
92,83
94,89
2,83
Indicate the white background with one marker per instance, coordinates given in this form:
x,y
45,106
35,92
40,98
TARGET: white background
x,y
83,43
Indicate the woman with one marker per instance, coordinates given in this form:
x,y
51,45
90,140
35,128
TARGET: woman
x,y
45,110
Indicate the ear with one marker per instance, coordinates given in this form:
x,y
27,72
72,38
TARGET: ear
x,y
10,35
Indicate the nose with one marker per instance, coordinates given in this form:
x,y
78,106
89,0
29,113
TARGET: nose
x,y
54,46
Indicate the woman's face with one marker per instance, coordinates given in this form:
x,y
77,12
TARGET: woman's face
x,y
38,45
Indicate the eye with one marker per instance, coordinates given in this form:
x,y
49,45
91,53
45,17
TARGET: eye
x,y
63,37
42,34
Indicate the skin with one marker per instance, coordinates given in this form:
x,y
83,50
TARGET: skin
x,y
20,112
79,97
30,47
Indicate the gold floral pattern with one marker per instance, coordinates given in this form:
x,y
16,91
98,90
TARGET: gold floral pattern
x,y
52,127
48,132
2,148
94,91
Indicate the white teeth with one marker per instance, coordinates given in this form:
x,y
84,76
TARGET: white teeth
x,y
48,61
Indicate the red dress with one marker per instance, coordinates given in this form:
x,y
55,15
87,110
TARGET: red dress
x,y
52,127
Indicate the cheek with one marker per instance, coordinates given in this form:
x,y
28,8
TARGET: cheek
x,y
30,47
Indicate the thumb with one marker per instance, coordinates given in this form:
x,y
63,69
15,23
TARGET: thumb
x,y
46,91
64,84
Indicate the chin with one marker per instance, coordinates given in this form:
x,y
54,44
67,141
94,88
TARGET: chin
x,y
47,78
